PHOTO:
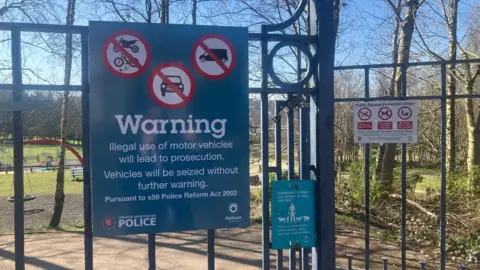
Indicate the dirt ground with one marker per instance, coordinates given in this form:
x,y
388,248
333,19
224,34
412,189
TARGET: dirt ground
x,y
234,249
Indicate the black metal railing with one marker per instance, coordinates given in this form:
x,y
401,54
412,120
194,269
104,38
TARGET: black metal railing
x,y
315,126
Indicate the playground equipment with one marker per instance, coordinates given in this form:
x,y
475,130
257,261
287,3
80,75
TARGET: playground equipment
x,y
4,158
46,161
26,197
56,142
7,157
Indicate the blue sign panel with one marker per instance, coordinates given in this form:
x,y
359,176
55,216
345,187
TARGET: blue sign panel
x,y
293,214
169,127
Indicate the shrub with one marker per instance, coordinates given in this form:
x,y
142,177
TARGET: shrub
x,y
412,180
353,188
458,188
466,249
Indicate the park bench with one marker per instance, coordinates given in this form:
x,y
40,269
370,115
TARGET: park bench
x,y
76,172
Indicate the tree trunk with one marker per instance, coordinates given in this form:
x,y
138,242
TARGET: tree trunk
x,y
405,42
194,12
470,113
167,11
396,30
473,133
379,160
477,147
163,15
59,191
451,86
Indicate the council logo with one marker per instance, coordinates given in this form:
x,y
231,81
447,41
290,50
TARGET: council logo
x,y
233,208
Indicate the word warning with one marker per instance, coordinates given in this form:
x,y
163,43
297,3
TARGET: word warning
x,y
385,122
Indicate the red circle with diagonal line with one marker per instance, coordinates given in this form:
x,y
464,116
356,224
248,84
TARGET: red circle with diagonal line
x,y
213,56
126,54
171,85
404,113
364,114
385,113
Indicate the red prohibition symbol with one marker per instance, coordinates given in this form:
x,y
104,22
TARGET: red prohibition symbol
x,y
404,113
213,56
171,85
126,54
385,113
364,114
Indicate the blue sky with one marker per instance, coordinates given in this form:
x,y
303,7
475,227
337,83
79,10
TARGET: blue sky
x,y
365,31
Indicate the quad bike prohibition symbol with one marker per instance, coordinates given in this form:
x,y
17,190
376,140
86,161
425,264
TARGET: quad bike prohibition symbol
x,y
126,54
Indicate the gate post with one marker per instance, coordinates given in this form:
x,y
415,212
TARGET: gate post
x,y
87,188
18,152
264,144
322,136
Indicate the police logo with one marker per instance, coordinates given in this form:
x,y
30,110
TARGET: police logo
x,y
109,222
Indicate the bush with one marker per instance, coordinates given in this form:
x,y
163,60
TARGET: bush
x,y
353,190
458,188
466,249
411,181
257,196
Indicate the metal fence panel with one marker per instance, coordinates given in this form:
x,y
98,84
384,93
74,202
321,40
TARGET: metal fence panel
x,y
316,138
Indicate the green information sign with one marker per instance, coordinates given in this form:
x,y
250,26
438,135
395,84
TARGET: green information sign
x,y
293,214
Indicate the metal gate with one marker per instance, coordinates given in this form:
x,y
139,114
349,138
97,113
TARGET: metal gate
x,y
315,87
321,120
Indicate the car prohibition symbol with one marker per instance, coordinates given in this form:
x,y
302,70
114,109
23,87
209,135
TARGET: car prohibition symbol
x,y
176,80
220,53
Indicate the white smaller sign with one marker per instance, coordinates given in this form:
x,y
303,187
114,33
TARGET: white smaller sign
x,y
385,122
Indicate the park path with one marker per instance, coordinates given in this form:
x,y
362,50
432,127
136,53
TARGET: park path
x,y
235,249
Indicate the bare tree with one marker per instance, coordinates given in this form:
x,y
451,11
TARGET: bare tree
x,y
451,21
59,191
405,41
397,10
466,74
194,12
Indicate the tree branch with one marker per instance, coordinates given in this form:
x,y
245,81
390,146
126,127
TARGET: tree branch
x,y
416,205
117,11
438,57
395,9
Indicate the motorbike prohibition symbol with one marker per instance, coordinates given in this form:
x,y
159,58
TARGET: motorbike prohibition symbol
x,y
122,60
127,44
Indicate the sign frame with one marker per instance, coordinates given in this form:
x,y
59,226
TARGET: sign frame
x,y
203,183
385,128
288,198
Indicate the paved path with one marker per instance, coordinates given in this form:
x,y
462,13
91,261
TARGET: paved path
x,y
235,249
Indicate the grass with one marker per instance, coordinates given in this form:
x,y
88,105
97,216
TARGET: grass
x,y
41,182
425,172
34,150
431,179
63,228
428,181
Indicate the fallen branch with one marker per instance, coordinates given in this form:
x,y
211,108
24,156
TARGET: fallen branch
x,y
459,221
416,205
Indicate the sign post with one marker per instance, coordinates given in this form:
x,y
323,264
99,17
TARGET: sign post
x,y
169,132
385,122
